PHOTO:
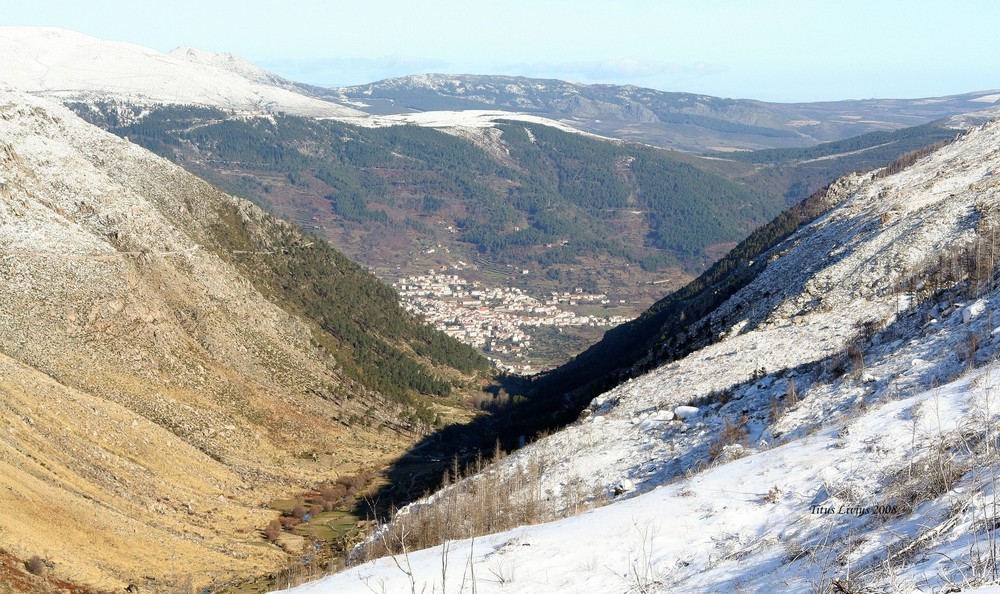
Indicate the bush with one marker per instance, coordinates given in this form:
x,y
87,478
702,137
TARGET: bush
x,y
35,565
353,485
780,405
273,530
731,433
332,493
288,521
934,474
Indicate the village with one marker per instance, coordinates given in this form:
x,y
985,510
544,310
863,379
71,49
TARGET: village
x,y
496,319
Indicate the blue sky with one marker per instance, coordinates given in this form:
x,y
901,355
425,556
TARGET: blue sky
x,y
776,50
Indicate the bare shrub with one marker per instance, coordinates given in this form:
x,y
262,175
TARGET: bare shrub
x,y
354,484
289,521
968,348
866,330
930,477
730,434
776,410
36,565
480,498
773,495
838,364
791,394
273,530
332,493
856,355
779,405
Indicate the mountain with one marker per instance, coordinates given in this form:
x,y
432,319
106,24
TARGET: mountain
x,y
832,426
683,121
71,66
236,65
174,361
74,67
513,205
579,214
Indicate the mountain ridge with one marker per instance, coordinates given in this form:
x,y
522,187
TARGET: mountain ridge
x,y
685,121
61,63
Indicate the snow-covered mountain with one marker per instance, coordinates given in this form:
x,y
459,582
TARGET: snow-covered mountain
x,y
839,435
71,66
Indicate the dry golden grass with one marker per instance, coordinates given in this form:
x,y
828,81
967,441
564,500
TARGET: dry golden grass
x,y
109,497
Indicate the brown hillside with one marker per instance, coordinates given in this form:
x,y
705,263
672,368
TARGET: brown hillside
x,y
152,398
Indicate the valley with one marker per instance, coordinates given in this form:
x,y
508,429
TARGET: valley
x,y
513,206
487,333
174,360
823,419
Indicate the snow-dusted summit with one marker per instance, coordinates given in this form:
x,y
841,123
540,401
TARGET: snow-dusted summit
x,y
70,66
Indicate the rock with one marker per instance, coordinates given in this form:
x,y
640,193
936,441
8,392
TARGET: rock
x,y
973,310
624,486
686,412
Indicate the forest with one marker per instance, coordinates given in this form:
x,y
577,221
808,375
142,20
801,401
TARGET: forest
x,y
559,197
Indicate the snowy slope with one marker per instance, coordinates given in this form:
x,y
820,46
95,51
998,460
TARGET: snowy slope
x,y
468,120
231,63
72,66
846,312
752,525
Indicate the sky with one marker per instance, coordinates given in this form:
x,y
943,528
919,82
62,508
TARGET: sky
x,y
774,50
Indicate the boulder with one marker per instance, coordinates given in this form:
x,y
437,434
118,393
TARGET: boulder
x,y
624,486
685,412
